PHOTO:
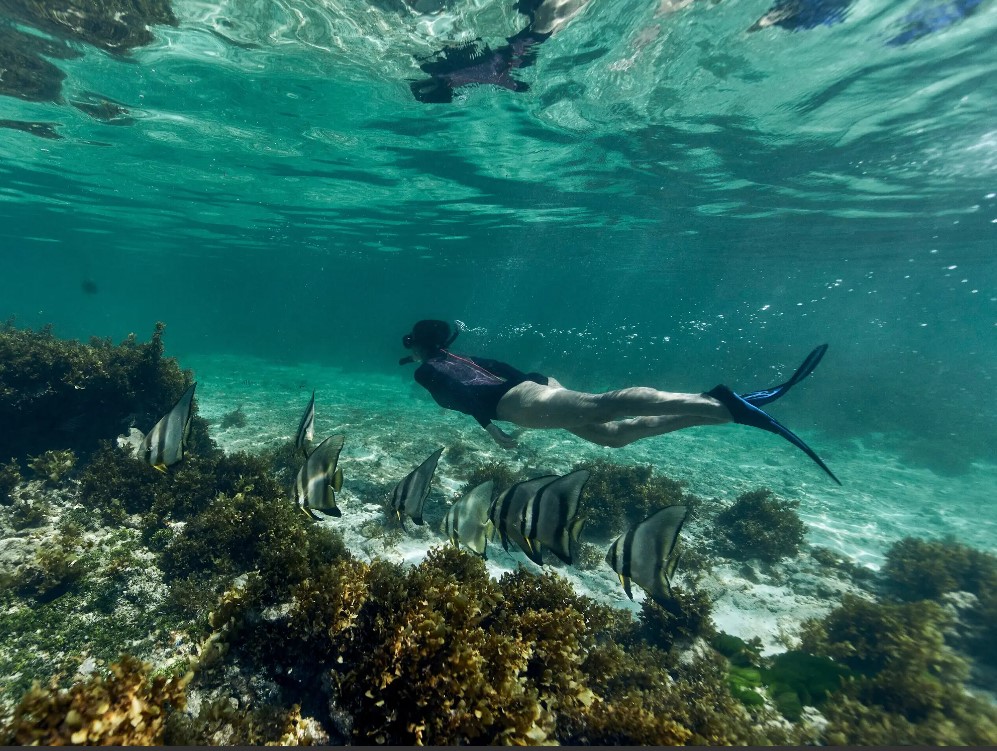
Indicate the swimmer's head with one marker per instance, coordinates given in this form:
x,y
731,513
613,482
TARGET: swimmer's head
x,y
426,337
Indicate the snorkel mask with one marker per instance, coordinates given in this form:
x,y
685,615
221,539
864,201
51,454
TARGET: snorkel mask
x,y
429,334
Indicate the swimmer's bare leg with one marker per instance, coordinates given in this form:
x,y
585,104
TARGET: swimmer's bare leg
x,y
621,433
533,405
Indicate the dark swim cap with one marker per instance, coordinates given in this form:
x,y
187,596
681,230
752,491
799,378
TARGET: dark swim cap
x,y
430,335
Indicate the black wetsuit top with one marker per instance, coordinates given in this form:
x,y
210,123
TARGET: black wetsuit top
x,y
472,385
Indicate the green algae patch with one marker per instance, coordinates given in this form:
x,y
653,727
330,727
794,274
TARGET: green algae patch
x,y
796,679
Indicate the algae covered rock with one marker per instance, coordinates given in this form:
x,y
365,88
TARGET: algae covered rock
x,y
937,569
760,525
10,478
129,707
907,683
60,394
617,496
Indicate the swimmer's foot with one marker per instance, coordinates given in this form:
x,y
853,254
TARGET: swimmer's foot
x,y
745,413
759,398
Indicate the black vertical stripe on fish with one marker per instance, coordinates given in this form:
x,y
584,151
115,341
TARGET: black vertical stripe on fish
x,y
410,494
306,427
163,446
530,522
510,522
627,560
648,548
551,515
317,479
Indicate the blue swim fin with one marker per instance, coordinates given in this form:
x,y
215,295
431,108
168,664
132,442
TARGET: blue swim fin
x,y
745,413
758,398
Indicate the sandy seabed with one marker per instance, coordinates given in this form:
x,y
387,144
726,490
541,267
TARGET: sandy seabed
x,y
391,425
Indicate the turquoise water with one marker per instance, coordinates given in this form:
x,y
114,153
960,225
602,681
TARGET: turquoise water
x,y
674,201
679,199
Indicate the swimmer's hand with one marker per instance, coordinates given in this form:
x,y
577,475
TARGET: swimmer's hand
x,y
501,438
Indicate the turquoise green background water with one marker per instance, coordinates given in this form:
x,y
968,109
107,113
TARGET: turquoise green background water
x,y
675,202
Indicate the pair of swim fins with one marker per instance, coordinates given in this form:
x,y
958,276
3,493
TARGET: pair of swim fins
x,y
745,408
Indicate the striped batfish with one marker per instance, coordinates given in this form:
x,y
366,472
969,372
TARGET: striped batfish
x,y
319,479
306,428
410,494
165,443
507,511
551,520
648,553
467,520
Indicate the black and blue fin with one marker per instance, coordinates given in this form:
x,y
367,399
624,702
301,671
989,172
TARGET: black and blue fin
x,y
745,413
764,396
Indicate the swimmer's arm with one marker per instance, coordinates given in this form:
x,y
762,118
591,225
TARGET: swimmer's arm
x,y
502,438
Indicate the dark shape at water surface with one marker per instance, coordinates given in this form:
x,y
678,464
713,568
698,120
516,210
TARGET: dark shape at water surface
x,y
103,109
26,73
42,130
115,26
468,64
798,15
112,25
89,286
929,17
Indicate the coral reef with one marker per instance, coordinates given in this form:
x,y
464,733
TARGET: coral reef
x,y
442,654
52,466
922,569
618,496
247,532
10,478
28,512
908,682
211,569
759,525
926,569
128,708
681,620
61,394
224,723
284,461
55,570
503,476
828,559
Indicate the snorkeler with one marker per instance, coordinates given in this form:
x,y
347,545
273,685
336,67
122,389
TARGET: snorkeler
x,y
492,390
460,65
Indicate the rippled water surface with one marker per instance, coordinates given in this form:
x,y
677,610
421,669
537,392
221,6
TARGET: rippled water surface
x,y
675,199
